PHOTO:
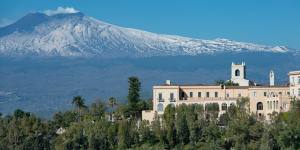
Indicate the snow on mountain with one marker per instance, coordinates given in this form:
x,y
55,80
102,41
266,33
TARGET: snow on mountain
x,y
75,34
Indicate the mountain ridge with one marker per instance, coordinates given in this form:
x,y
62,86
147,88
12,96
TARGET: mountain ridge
x,y
75,34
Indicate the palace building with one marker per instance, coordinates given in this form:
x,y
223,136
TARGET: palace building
x,y
263,99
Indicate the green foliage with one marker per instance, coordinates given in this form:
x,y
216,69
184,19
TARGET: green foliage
x,y
230,83
124,138
183,132
226,83
186,127
169,118
97,110
134,93
24,131
219,82
212,110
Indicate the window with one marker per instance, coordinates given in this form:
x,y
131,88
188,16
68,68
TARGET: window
x,y
172,97
293,92
160,97
191,94
298,79
280,93
288,93
183,95
199,94
272,94
216,94
224,106
268,104
237,72
240,95
254,94
292,80
259,106
227,95
160,107
274,107
265,94
207,94
276,104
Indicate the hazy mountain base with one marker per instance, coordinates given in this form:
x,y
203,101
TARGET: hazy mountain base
x,y
45,85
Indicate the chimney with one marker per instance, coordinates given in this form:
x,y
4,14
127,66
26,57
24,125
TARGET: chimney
x,y
168,82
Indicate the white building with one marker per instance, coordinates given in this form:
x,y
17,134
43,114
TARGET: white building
x,y
295,83
264,100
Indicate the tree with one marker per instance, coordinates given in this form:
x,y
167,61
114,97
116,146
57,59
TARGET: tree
x,y
20,113
212,110
97,135
169,118
74,138
134,94
194,116
123,135
78,101
287,127
157,130
97,110
230,83
219,82
144,131
182,129
112,136
112,102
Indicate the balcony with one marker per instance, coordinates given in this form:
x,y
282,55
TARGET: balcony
x,y
172,100
197,99
160,100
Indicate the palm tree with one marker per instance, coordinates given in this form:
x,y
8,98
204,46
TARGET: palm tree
x,y
78,101
112,102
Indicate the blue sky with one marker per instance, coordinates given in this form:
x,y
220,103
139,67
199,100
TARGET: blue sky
x,y
270,22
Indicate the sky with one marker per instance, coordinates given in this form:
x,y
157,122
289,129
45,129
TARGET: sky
x,y
269,22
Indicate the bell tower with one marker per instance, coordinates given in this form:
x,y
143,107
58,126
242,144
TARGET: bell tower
x,y
238,71
238,74
272,78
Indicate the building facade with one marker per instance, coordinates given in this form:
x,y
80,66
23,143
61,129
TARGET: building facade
x,y
295,84
264,100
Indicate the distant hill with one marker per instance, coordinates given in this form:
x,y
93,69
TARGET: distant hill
x,y
47,84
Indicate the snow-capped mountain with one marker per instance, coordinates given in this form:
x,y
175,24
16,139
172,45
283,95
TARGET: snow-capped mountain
x,y
79,35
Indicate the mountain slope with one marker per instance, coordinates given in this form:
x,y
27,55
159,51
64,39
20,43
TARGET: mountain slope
x,y
79,35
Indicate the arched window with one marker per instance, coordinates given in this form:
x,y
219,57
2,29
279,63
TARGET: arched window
x,y
259,106
224,106
237,72
160,107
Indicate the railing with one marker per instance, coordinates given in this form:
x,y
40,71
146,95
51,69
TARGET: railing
x,y
172,100
161,100
208,98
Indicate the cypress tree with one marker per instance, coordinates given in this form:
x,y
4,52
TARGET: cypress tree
x,y
134,94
